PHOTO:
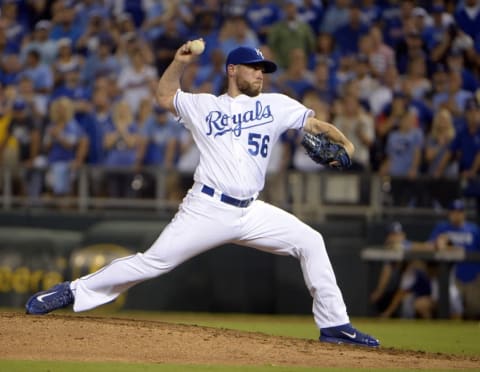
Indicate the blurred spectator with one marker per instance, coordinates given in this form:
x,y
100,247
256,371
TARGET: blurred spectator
x,y
290,33
235,32
159,148
410,47
166,44
403,159
163,12
161,139
211,78
135,9
456,62
121,145
455,98
296,78
443,186
35,11
66,146
438,143
345,71
40,73
458,233
371,11
20,146
96,30
336,15
358,126
438,37
261,15
367,83
403,289
86,9
188,159
145,112
323,83
206,26
36,102
101,120
131,43
382,97
15,30
347,36
102,62
41,42
416,81
137,81
465,146
63,23
66,61
311,12
395,22
381,55
11,69
325,52
467,17
417,293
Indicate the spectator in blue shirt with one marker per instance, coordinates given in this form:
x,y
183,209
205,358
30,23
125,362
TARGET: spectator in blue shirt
x,y
347,36
66,145
101,62
160,133
311,11
38,72
336,15
466,144
404,289
11,69
456,62
261,15
64,25
458,233
121,143
40,41
403,159
15,30
467,17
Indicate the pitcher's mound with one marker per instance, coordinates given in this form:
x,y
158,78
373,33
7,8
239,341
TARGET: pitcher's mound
x,y
74,338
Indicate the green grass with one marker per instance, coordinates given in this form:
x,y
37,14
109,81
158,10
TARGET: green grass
x,y
22,366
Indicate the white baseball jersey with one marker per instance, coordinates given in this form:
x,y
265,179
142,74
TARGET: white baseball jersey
x,y
234,137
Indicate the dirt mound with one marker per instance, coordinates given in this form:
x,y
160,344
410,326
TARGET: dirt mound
x,y
74,338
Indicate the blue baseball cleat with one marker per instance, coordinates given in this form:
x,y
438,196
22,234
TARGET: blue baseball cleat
x,y
57,297
346,334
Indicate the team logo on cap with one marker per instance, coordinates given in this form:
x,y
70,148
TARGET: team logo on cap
x,y
259,53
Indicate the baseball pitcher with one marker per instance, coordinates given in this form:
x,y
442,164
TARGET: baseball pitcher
x,y
235,133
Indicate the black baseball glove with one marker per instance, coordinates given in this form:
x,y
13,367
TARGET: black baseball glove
x,y
323,151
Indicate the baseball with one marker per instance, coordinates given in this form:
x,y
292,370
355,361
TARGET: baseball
x,y
197,46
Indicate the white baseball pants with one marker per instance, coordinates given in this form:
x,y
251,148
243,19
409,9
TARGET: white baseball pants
x,y
204,222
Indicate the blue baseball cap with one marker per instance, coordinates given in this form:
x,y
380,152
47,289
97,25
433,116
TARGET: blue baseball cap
x,y
247,56
457,205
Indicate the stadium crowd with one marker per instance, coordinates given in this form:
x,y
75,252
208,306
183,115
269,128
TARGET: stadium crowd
x,y
400,78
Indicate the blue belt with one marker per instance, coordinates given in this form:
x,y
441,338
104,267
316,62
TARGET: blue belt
x,y
228,199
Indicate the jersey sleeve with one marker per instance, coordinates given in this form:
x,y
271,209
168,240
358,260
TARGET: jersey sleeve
x,y
294,112
187,107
